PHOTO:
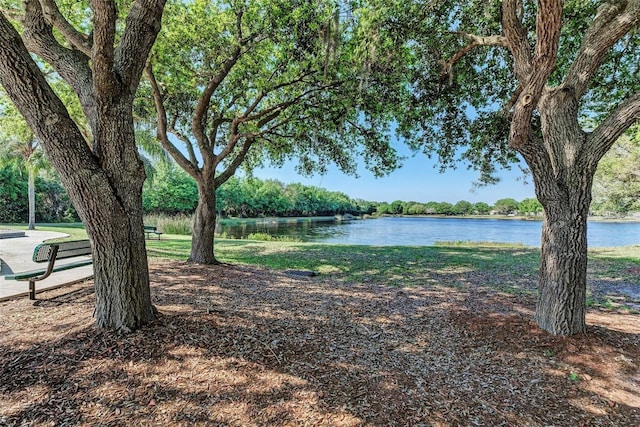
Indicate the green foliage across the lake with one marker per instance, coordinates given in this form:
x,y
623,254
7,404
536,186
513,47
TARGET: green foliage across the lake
x,y
170,198
530,207
172,192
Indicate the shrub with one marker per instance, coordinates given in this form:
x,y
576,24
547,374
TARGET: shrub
x,y
261,236
176,224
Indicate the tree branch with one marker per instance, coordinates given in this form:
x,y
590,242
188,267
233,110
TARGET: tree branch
x,y
263,94
239,14
538,160
548,24
516,36
215,127
532,73
272,128
102,54
262,117
198,123
75,38
235,163
607,133
267,115
506,110
613,20
72,65
234,137
161,113
162,129
474,41
14,14
187,143
213,131
43,110
254,104
141,29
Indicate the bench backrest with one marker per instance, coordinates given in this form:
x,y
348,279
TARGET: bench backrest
x,y
44,251
149,228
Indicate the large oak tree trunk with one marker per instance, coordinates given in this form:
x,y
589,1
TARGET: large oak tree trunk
x,y
121,275
543,116
104,184
204,225
563,173
115,224
563,266
109,201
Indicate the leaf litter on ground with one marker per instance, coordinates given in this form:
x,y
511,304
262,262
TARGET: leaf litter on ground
x,y
249,346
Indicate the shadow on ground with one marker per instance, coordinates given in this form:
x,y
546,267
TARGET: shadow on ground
x,y
240,346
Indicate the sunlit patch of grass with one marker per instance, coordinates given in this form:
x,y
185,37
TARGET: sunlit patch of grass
x,y
171,246
620,263
475,244
328,269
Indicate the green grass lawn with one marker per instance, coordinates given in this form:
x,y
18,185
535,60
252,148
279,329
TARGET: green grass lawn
x,y
502,266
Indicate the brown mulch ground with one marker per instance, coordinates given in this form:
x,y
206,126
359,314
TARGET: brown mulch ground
x,y
242,346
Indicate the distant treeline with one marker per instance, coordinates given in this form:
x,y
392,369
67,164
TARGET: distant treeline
x,y
507,206
170,191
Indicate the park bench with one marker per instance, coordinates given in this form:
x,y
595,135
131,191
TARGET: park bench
x,y
150,229
50,253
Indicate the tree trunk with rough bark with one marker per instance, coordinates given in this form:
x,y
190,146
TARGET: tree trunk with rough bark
x,y
562,157
115,224
563,173
104,181
561,306
204,224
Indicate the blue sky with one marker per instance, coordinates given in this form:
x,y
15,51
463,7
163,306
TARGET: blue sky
x,y
418,180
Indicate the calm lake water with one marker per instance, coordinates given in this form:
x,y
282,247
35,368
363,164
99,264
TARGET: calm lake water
x,y
427,231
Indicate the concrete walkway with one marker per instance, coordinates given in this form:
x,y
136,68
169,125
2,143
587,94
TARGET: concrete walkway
x,y
16,253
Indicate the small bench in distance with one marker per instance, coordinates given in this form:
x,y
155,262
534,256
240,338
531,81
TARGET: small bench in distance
x,y
50,253
150,229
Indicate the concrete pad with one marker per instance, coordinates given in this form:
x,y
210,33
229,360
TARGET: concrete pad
x,y
9,234
16,253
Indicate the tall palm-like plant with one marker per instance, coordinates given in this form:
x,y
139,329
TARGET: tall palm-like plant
x,y
21,149
151,153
